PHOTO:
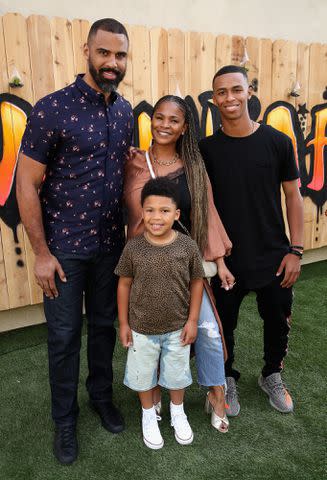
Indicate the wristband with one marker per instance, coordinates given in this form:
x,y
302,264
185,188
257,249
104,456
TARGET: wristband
x,y
297,246
295,252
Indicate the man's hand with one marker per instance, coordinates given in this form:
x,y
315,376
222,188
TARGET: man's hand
x,y
133,151
292,266
45,268
125,336
189,332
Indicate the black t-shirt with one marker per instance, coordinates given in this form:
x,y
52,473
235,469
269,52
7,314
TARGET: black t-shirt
x,y
246,175
179,178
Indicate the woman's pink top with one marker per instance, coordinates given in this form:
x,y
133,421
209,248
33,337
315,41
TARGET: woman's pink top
x,y
136,175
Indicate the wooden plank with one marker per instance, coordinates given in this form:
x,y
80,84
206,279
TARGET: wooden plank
x,y
321,228
253,48
318,231
17,53
223,51
4,298
238,45
208,61
315,255
284,70
193,62
126,86
80,30
317,85
159,63
36,293
16,273
4,81
141,64
63,65
21,317
176,62
35,86
310,212
283,79
265,74
39,38
318,73
302,75
200,59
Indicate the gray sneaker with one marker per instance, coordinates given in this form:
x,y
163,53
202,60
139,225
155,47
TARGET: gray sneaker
x,y
279,398
232,403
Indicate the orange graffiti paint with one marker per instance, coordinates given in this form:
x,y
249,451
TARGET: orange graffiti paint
x,y
318,142
209,123
13,125
280,118
145,137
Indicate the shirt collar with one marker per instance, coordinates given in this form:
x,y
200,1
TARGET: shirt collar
x,y
90,93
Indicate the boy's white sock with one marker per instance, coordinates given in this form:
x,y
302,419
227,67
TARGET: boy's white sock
x,y
148,412
183,431
176,409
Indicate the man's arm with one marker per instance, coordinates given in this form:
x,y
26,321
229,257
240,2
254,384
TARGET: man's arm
x,y
189,331
30,174
294,209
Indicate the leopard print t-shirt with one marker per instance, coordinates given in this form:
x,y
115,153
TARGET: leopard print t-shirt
x,y
160,292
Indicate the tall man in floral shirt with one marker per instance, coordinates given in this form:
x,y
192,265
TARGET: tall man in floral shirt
x,y
77,137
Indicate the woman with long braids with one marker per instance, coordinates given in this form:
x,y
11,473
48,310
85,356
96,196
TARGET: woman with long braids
x,y
174,153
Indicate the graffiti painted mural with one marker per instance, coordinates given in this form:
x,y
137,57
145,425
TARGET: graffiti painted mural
x,y
284,117
13,115
281,115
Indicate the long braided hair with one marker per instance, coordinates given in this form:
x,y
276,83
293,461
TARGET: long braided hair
x,y
188,150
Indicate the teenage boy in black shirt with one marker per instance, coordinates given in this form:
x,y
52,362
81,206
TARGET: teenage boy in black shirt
x,y
247,163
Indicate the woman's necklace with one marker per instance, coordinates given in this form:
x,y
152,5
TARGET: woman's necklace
x,y
162,163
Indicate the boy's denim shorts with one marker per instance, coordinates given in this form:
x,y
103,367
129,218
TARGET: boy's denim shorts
x,y
149,352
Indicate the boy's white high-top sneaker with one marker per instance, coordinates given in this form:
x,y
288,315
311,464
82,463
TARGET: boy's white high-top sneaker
x,y
150,428
183,431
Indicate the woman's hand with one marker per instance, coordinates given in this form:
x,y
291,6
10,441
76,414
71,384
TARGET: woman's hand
x,y
225,275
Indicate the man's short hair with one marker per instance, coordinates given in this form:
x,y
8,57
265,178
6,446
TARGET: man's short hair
x,y
161,187
108,25
230,69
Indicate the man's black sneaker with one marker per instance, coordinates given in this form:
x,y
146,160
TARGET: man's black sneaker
x,y
111,418
65,444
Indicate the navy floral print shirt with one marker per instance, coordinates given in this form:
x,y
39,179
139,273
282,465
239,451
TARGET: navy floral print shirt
x,y
83,142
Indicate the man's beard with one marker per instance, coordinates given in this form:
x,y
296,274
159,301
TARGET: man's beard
x,y
105,84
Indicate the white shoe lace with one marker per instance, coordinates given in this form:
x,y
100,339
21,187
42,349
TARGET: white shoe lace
x,y
151,429
181,425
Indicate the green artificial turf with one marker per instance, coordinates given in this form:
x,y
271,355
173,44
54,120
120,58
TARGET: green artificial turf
x,y
262,444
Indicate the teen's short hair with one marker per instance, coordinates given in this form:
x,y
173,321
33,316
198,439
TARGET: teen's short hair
x,y
230,69
108,25
161,187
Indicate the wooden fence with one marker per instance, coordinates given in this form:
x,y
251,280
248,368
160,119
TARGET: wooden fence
x,y
48,54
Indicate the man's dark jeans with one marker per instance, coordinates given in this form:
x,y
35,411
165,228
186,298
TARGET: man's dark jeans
x,y
274,306
94,277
